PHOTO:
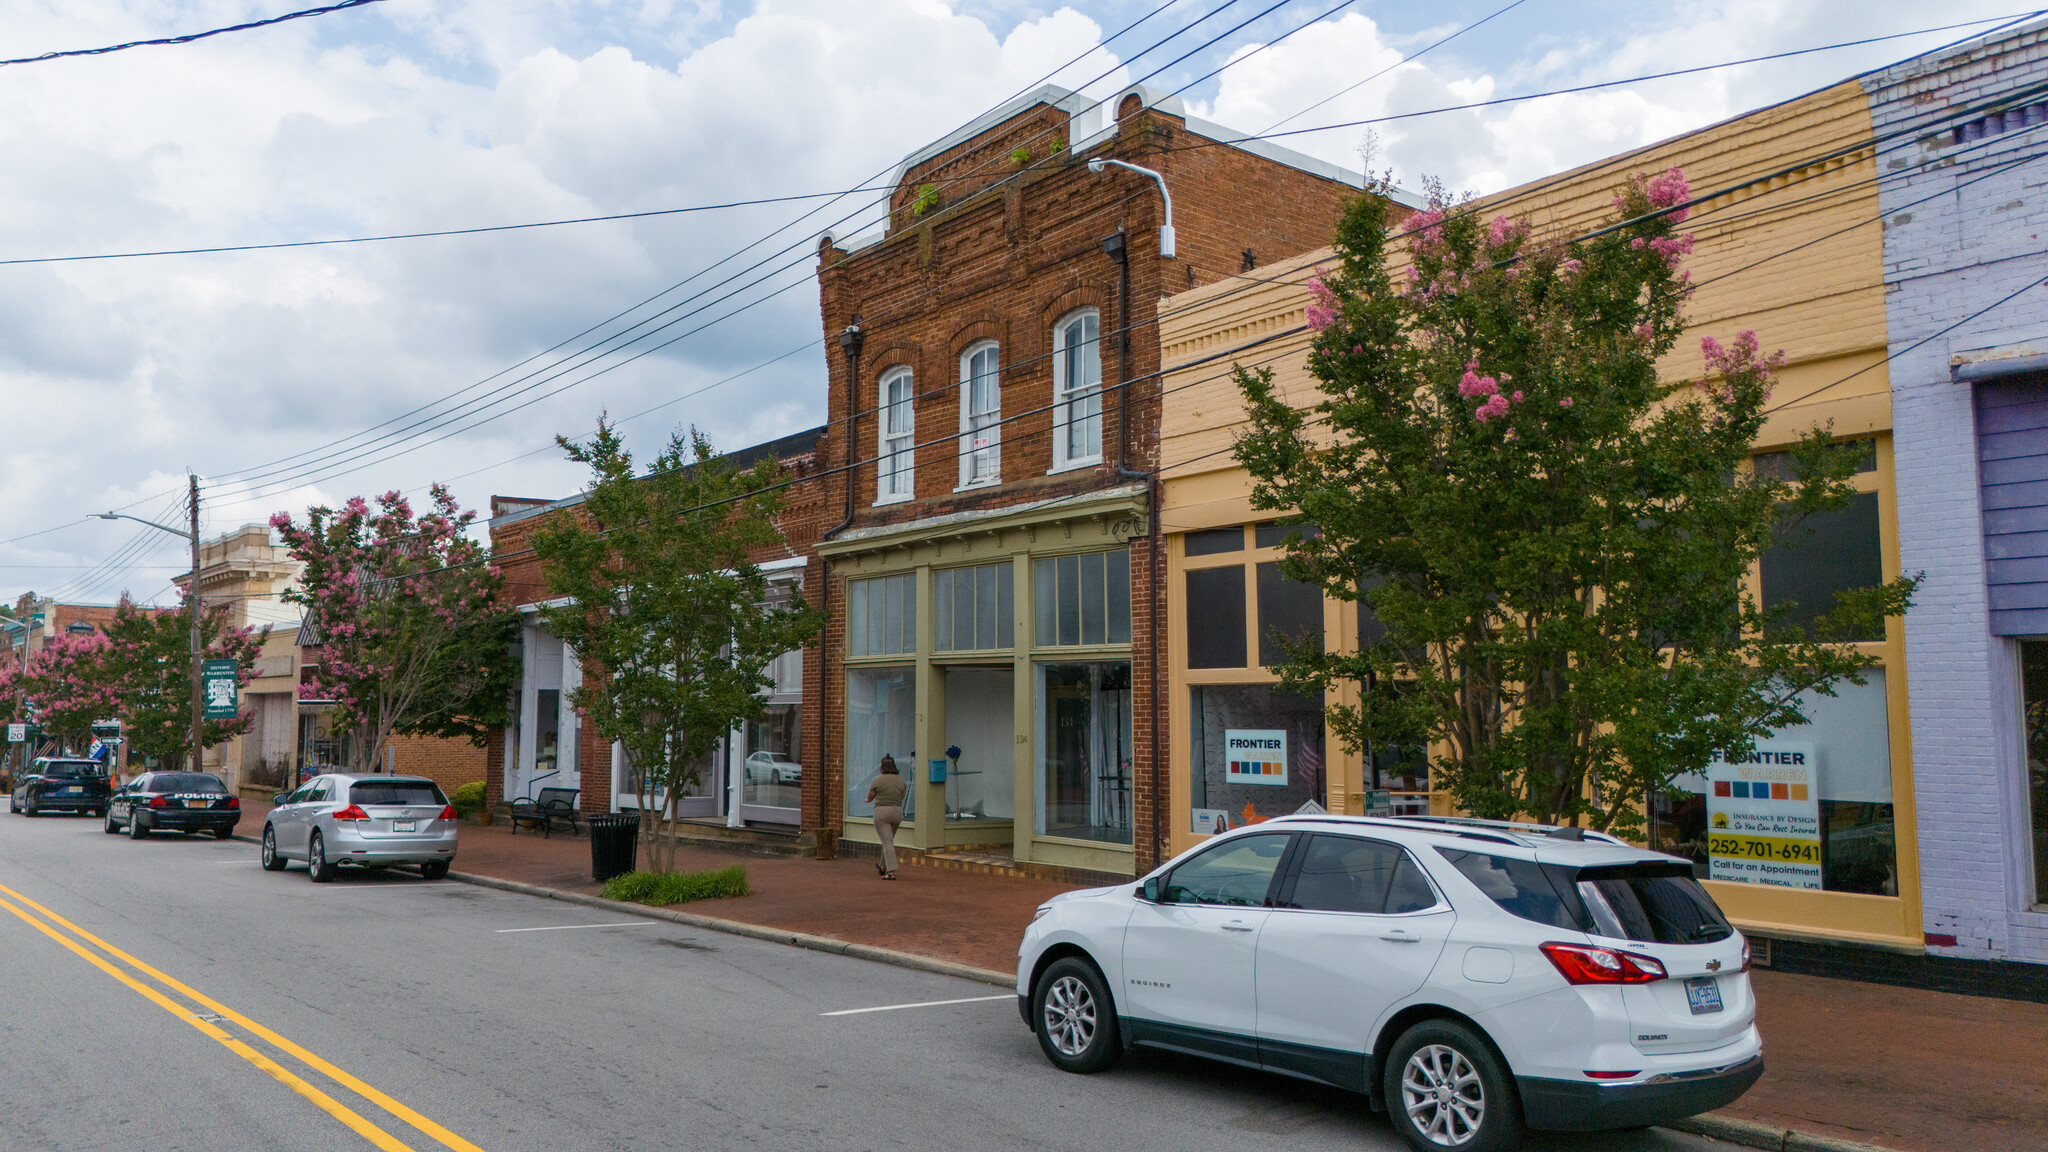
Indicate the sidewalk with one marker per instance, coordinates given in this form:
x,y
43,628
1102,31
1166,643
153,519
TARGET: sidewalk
x,y
1896,1067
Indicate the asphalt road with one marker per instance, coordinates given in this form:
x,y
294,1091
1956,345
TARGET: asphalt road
x,y
170,994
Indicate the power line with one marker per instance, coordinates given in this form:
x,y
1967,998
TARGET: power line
x,y
189,37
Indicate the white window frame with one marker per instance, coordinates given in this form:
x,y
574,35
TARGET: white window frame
x,y
895,437
983,466
1069,396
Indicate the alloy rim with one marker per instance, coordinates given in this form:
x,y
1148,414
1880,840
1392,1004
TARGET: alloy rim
x,y
1443,1095
1070,1015
269,846
319,854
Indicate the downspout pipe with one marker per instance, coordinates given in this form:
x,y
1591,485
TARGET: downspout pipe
x,y
850,339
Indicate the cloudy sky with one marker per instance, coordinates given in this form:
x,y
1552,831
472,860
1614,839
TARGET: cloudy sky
x,y
299,376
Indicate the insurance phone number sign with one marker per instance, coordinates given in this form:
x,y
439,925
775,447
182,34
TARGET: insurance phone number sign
x,y
1763,817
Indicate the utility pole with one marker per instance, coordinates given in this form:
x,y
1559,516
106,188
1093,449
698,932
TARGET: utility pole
x,y
198,649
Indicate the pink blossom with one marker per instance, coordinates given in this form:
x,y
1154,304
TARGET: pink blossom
x,y
1669,189
1517,396
1322,310
1569,267
1565,403
1501,231
1636,243
1473,384
1495,405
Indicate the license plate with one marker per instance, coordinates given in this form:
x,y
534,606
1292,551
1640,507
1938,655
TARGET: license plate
x,y
71,789
1703,993
403,825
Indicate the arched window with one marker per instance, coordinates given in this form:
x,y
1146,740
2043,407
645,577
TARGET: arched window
x,y
981,415
893,459
1077,390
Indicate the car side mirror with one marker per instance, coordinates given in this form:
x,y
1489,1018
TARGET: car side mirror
x,y
1151,890
277,799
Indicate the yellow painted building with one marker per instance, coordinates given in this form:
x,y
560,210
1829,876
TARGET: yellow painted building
x,y
1790,246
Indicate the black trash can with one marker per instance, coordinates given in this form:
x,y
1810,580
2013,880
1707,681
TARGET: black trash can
x,y
614,838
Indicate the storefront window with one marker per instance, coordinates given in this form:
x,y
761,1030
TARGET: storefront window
x,y
1083,599
981,722
2034,716
773,775
971,608
1820,555
547,732
881,720
1289,613
1256,752
1215,617
881,616
1847,808
1084,749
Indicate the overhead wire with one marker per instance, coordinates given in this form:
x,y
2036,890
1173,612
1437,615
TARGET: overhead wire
x,y
190,37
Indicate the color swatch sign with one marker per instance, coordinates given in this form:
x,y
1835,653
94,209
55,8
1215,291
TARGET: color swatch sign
x,y
1255,755
1763,817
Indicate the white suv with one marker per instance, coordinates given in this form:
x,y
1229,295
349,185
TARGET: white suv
x,y
1470,978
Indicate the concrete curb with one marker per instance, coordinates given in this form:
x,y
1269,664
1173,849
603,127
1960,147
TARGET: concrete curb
x,y
741,928
756,931
1751,1134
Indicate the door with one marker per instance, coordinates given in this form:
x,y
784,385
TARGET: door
x,y
297,816
1188,959
1356,928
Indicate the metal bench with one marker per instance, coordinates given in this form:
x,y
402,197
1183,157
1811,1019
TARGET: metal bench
x,y
552,806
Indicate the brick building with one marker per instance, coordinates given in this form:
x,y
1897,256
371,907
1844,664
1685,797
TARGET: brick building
x,y
759,776
989,457
1969,399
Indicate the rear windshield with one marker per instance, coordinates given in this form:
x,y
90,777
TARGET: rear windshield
x,y
70,768
1656,904
1652,902
396,792
175,782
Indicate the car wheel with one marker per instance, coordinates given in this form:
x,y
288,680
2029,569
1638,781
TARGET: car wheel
x,y
272,862
1073,1016
110,828
136,829
775,779
434,870
1446,1090
317,864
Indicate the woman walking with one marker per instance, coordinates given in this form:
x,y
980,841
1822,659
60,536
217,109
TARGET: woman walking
x,y
886,794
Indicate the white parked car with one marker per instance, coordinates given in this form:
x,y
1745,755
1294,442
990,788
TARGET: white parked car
x,y
773,768
1470,978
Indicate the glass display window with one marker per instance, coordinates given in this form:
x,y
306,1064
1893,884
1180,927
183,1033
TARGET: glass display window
x,y
2034,728
772,774
1082,599
881,615
1084,751
1849,740
981,722
881,720
1255,752
972,608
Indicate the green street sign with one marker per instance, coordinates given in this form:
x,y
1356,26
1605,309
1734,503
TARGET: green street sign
x,y
221,685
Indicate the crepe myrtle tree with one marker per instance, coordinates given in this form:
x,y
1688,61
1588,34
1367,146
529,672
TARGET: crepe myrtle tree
x,y
1553,538
659,598
147,657
404,608
68,684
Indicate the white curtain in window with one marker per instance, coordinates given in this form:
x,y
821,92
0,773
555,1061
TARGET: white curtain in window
x,y
981,411
893,471
1077,418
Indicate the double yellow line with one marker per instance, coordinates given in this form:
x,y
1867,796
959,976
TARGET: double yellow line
x,y
70,936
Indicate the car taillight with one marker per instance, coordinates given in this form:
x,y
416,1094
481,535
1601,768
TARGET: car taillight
x,y
234,801
352,812
448,812
1745,956
159,802
1584,964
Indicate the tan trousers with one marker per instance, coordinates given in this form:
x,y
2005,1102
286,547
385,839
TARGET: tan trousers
x,y
887,818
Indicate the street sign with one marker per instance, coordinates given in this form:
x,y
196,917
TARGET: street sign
x,y
17,733
106,727
221,684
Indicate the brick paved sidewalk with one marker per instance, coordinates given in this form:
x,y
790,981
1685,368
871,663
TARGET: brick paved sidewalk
x,y
1897,1067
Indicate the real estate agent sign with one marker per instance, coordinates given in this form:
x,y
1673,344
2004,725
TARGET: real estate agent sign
x,y
1255,756
1763,817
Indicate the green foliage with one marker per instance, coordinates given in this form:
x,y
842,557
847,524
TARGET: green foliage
x,y
661,889
148,656
1020,156
662,603
468,799
1554,539
927,198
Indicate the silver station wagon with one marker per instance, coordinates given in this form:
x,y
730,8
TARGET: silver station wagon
x,y
361,821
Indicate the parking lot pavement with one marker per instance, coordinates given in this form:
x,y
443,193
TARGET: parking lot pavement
x,y
509,1022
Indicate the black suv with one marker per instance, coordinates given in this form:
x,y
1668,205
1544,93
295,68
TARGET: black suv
x,y
60,784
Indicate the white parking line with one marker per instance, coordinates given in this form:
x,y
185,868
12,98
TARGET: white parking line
x,y
919,1004
565,927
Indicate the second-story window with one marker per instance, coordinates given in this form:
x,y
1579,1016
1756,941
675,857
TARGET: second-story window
x,y
981,414
1077,391
893,476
